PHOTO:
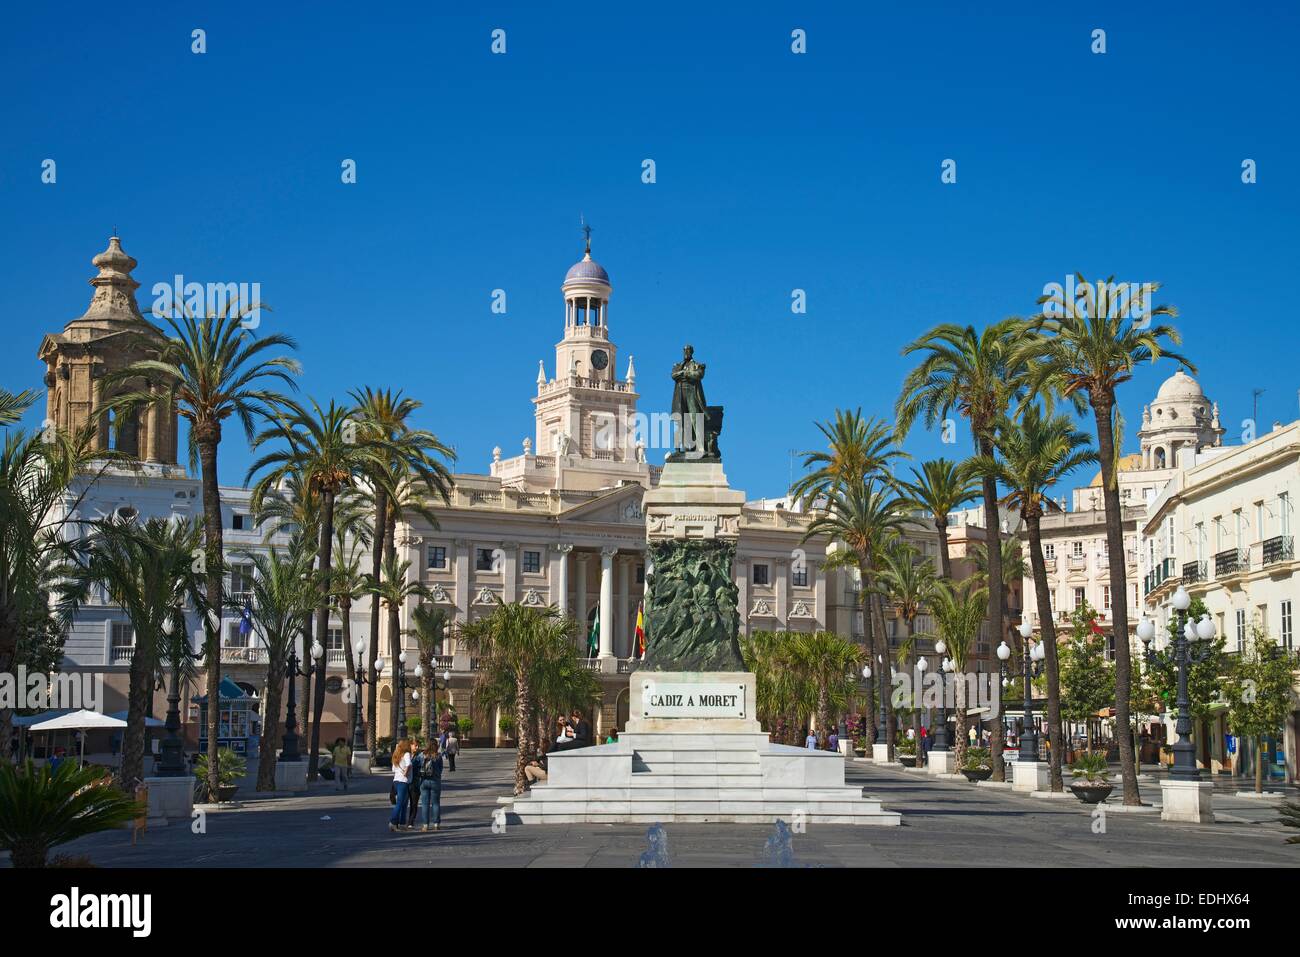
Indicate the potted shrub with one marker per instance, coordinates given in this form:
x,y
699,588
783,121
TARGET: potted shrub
x,y
463,727
230,768
41,809
905,751
1090,773
978,766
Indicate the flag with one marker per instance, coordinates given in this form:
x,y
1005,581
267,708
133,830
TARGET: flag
x,y
246,622
593,640
640,630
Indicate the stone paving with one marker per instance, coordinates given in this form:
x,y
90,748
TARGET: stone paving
x,y
944,823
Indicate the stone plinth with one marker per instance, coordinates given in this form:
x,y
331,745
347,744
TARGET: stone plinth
x,y
670,766
1187,801
360,762
1031,776
170,799
291,775
941,762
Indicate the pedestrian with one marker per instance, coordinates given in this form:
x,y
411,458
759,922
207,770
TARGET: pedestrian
x,y
431,787
535,770
833,740
612,737
342,756
401,783
452,749
413,791
581,729
810,742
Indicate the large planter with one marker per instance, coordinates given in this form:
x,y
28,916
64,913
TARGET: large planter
x,y
1091,793
226,792
907,760
977,774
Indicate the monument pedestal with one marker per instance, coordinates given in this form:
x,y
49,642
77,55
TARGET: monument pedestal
x,y
291,775
1187,801
170,799
693,752
360,762
940,762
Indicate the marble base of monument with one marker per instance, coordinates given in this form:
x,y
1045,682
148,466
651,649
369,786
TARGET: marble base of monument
x,y
940,762
691,752
291,775
1187,801
1031,776
170,799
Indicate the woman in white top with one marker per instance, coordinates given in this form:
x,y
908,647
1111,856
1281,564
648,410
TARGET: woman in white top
x,y
401,783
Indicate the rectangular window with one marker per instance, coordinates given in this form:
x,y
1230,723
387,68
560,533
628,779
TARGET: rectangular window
x,y
760,574
123,635
1287,639
1284,513
1200,541
435,556
1241,629
1239,529
1105,598
483,559
1078,549
1169,537
532,562
241,583
236,521
799,576
1049,551
1078,598
1110,647
334,639
233,638
640,574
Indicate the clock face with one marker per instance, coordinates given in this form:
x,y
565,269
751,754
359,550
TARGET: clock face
x,y
599,359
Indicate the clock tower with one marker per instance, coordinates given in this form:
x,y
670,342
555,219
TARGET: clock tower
x,y
586,410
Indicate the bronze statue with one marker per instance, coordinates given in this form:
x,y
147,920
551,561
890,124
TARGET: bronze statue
x,y
698,423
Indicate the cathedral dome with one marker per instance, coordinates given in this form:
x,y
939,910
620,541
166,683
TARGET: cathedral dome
x,y
1179,386
587,269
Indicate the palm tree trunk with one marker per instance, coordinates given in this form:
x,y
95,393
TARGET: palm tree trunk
x,y
962,719
376,569
997,733
214,566
271,728
886,686
992,543
394,629
322,625
1259,765
132,769
523,710
308,670
1051,662
1102,406
869,632
945,562
916,690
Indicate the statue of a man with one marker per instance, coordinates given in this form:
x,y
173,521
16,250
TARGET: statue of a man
x,y
689,407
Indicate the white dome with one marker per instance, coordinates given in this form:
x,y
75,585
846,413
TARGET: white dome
x,y
1180,386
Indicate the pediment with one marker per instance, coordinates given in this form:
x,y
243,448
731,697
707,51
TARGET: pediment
x,y
621,506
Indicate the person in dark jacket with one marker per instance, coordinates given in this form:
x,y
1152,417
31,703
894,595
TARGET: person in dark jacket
x,y
581,729
413,792
430,787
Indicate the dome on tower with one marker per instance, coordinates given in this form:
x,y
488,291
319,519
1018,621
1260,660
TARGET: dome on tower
x,y
587,269
1179,386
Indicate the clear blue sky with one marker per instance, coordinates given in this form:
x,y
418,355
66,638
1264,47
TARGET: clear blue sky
x,y
775,172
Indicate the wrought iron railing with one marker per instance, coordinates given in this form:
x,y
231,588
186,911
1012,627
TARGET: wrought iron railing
x,y
1230,562
1194,572
1278,549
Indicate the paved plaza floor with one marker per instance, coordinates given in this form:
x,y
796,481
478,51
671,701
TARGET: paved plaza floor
x,y
945,823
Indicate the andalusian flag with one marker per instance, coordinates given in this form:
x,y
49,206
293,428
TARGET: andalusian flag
x,y
640,630
593,640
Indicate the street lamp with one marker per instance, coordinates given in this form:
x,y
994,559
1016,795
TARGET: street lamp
x,y
359,682
289,742
1191,645
945,667
171,763
1031,667
399,675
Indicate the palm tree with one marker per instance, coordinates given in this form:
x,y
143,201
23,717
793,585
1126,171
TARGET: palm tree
x,y
560,684
864,518
512,641
958,615
940,487
393,590
207,370
146,570
429,631
1013,569
41,809
910,585
284,594
39,476
829,666
779,691
319,446
857,449
975,373
1036,453
1086,346
13,405
412,471
347,581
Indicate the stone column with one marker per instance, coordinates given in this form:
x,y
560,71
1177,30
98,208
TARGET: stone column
x,y
742,591
607,602
620,648
509,568
782,591
462,597
580,600
819,591
562,577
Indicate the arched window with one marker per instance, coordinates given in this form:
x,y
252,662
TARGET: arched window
x,y
1160,458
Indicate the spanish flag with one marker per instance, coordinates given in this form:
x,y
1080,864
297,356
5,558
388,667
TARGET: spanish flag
x,y
640,630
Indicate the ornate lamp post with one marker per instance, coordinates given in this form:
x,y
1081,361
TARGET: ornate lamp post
x,y
399,676
289,742
1031,667
359,682
171,763
945,667
880,722
1191,646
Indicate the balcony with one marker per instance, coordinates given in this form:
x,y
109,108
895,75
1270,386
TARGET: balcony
x,y
1278,549
1049,561
1231,562
1158,575
243,656
1194,572
122,654
1077,563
